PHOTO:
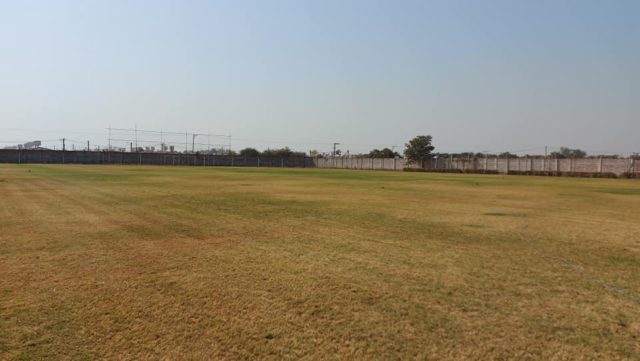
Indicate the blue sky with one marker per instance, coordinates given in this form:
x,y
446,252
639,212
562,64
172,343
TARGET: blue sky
x,y
477,75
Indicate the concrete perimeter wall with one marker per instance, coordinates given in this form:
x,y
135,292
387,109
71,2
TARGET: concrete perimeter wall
x,y
595,166
362,163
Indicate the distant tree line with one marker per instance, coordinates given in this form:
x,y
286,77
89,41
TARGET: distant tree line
x,y
418,149
285,152
569,153
383,153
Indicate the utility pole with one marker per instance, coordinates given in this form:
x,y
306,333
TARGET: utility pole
x,y
88,146
334,149
135,130
193,143
64,148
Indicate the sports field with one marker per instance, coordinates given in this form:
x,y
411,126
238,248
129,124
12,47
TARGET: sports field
x,y
125,262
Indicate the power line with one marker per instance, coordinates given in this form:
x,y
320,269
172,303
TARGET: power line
x,y
164,132
49,131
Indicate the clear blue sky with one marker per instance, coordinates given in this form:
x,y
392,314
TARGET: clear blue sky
x,y
477,75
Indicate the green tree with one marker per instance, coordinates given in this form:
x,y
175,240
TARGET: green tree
x,y
249,152
507,155
383,153
419,148
315,154
569,153
285,152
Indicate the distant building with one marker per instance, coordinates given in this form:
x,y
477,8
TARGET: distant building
x,y
36,144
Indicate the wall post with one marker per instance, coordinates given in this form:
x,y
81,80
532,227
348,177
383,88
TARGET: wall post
x,y
571,165
600,165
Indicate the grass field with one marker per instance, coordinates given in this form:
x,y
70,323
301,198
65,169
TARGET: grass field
x,y
111,262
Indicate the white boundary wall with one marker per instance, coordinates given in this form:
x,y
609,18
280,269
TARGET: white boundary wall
x,y
617,166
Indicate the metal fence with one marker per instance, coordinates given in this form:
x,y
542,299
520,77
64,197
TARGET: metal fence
x,y
196,159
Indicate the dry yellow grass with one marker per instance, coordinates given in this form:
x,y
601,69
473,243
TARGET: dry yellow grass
x,y
108,262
